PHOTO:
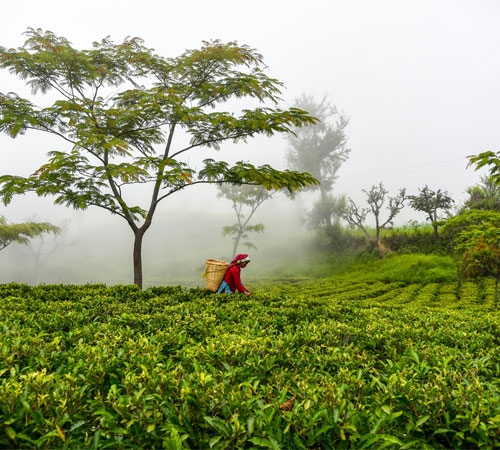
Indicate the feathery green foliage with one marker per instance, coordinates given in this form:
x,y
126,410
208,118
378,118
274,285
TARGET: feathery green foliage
x,y
23,232
121,108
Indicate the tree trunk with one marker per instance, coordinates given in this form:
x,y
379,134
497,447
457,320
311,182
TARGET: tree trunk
x,y
326,216
236,243
435,228
138,235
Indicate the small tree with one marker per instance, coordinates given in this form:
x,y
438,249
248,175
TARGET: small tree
x,y
376,199
245,202
23,232
121,107
430,202
475,238
327,211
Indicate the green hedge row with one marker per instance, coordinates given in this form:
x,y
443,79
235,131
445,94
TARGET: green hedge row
x,y
361,365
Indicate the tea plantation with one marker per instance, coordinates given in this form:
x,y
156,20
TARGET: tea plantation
x,y
327,364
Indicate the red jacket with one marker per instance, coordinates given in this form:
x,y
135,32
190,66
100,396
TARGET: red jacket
x,y
233,279
232,276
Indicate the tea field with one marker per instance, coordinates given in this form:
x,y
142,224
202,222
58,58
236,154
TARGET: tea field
x,y
301,365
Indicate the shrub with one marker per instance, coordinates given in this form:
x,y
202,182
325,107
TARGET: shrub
x,y
413,240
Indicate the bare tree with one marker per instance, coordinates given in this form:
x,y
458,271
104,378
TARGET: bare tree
x,y
376,198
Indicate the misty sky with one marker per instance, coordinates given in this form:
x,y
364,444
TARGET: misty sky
x,y
420,79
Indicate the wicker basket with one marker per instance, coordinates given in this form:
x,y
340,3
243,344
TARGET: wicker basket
x,y
214,272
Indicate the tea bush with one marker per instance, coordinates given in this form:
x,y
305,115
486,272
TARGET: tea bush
x,y
339,364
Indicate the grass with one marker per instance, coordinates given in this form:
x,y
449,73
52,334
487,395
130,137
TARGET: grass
x,y
407,268
412,268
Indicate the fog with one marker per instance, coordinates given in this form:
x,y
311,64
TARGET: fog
x,y
95,247
418,80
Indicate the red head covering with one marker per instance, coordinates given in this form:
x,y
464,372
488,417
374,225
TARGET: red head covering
x,y
241,257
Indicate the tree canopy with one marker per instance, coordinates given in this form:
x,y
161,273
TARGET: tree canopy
x,y
124,112
23,232
431,202
321,150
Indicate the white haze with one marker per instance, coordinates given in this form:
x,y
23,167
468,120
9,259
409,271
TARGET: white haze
x,y
418,79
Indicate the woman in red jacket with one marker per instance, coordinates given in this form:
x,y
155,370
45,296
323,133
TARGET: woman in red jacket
x,y
232,278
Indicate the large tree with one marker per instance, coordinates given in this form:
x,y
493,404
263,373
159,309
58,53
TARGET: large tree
x,y
23,232
321,150
125,113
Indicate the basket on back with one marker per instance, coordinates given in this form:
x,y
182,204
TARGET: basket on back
x,y
214,273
